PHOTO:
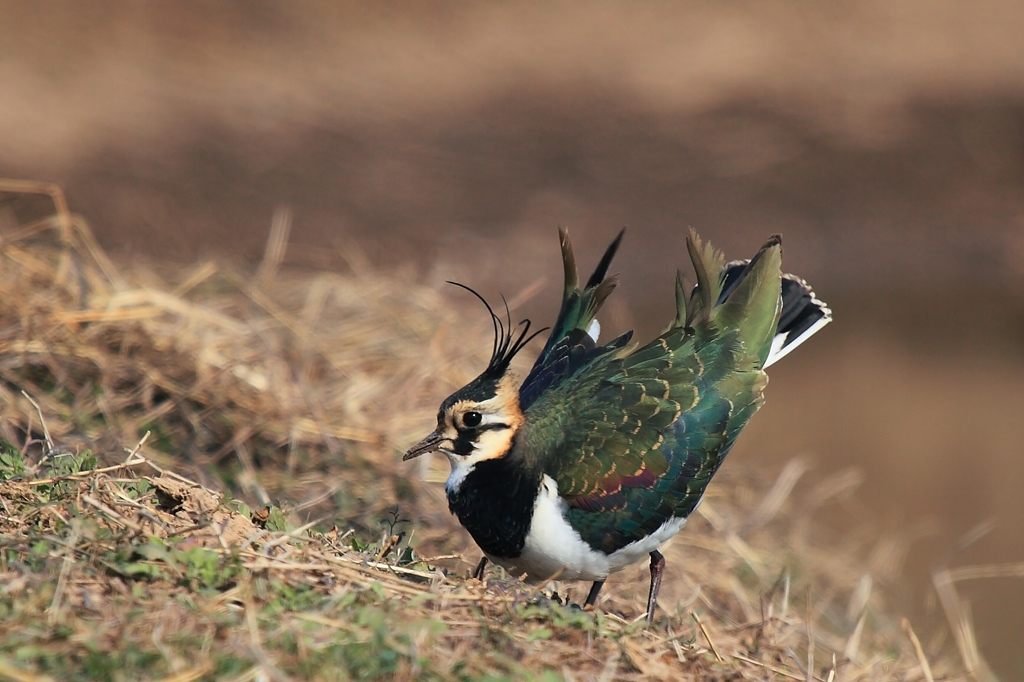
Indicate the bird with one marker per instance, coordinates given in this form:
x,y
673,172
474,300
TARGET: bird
x,y
603,451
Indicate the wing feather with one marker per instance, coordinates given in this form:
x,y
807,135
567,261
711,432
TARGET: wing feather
x,y
570,347
633,436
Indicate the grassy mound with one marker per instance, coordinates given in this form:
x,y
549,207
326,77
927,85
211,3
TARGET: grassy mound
x,y
130,397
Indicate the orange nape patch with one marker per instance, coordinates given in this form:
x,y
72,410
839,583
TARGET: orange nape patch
x,y
506,402
501,418
502,408
492,444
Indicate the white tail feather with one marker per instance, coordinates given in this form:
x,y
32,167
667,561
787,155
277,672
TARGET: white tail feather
x,y
783,345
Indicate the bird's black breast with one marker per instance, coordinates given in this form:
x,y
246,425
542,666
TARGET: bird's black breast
x,y
495,504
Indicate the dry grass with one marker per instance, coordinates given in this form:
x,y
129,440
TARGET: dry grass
x,y
130,398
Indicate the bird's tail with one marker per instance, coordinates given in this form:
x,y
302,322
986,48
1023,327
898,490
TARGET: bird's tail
x,y
803,314
773,312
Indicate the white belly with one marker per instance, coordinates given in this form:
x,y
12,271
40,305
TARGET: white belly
x,y
554,550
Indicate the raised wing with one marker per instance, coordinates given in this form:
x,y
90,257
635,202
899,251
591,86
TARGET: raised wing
x,y
633,438
572,343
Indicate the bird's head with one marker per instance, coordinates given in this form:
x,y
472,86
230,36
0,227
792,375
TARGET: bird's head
x,y
480,420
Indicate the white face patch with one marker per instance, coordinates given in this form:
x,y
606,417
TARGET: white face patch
x,y
489,444
477,431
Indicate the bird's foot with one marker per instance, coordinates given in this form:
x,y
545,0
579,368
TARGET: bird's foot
x,y
481,567
547,601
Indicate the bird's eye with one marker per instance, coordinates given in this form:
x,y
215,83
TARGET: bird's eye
x,y
471,419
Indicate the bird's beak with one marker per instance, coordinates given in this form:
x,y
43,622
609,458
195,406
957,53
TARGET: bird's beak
x,y
428,444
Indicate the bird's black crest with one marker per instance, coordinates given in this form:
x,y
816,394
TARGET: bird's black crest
x,y
509,339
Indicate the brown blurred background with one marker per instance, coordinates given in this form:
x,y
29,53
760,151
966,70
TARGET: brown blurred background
x,y
884,140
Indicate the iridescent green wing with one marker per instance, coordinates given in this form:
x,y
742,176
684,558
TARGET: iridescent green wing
x,y
570,346
633,438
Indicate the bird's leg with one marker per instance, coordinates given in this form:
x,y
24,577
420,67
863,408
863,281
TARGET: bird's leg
x,y
595,590
657,568
478,572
